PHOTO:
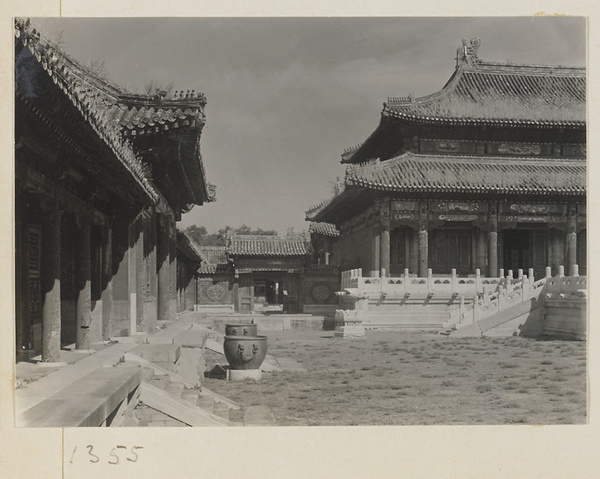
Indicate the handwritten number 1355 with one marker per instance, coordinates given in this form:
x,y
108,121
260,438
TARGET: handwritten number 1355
x,y
114,456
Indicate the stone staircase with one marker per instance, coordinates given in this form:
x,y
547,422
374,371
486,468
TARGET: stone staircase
x,y
518,307
169,400
141,381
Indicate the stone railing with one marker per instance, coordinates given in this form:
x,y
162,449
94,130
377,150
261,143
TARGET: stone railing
x,y
511,292
406,284
566,287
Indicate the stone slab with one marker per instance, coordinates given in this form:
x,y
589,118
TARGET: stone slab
x,y
243,374
350,331
58,380
191,365
177,408
159,353
192,338
86,402
215,346
166,335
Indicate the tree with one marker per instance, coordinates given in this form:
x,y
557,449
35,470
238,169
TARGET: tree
x,y
155,88
201,236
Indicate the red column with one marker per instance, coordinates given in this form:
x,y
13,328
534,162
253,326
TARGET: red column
x,y
84,295
51,313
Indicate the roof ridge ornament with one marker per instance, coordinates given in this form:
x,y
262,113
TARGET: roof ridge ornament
x,y
467,52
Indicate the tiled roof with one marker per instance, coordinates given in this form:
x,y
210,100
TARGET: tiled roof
x,y
322,269
267,245
223,268
421,173
114,114
325,229
510,94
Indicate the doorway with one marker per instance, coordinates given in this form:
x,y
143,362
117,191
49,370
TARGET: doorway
x,y
524,249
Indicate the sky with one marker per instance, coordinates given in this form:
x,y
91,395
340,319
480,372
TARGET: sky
x,y
286,96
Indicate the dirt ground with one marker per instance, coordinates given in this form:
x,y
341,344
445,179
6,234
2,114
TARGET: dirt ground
x,y
417,378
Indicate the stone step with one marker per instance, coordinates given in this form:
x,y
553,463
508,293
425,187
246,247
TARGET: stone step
x,y
221,410
88,401
205,402
66,375
177,408
218,398
175,389
160,382
190,397
159,370
158,353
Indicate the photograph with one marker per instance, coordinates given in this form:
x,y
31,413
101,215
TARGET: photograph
x,y
300,221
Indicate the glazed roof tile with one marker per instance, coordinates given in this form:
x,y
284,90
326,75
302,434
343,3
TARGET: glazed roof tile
x,y
267,245
221,268
322,269
114,114
325,229
485,92
421,173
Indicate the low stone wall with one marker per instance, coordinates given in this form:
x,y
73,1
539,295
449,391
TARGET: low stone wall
x,y
565,318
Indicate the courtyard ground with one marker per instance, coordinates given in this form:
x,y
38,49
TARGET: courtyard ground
x,y
416,378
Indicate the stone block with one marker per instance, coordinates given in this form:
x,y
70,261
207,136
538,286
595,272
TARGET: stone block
x,y
243,374
350,331
191,338
158,353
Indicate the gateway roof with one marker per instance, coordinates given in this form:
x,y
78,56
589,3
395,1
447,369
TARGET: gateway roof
x,y
267,245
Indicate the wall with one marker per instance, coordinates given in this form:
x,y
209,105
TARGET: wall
x,y
317,293
356,250
565,318
215,290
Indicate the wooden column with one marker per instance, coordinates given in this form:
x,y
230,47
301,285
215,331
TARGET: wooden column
x,y
571,241
384,234
558,250
173,271
413,257
481,258
84,290
423,239
107,288
376,247
164,275
493,242
423,251
51,312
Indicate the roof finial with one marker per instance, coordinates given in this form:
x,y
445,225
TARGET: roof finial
x,y
467,52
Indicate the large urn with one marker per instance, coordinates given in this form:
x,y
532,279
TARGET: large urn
x,y
242,329
245,352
